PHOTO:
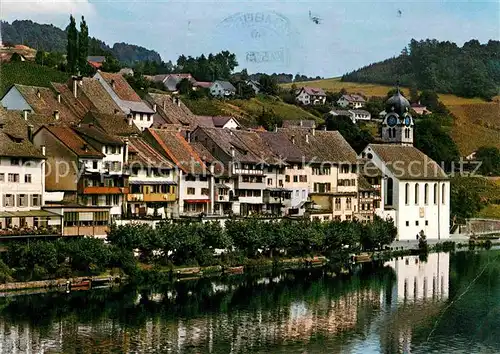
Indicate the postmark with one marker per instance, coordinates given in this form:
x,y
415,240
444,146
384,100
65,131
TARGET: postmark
x,y
259,39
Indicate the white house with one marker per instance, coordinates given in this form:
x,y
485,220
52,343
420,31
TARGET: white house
x,y
127,99
415,190
311,96
355,114
22,182
221,88
255,85
352,101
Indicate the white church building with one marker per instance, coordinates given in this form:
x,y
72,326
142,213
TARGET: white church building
x,y
415,191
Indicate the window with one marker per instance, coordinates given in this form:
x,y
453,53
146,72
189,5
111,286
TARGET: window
x,y
36,199
2,177
269,181
435,193
191,191
295,179
322,187
407,223
348,217
191,178
287,178
94,165
203,178
303,178
297,193
13,177
426,193
303,194
443,194
27,178
256,193
407,193
426,222
337,204
14,162
280,183
8,200
416,223
417,190
390,191
348,203
205,191
344,169
22,200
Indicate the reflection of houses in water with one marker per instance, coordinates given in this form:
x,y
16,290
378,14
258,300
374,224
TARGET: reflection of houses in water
x,y
421,280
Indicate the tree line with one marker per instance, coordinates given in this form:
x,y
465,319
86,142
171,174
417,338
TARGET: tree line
x,y
191,243
472,70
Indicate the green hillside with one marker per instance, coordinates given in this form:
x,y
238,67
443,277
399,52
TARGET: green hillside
x,y
28,73
247,110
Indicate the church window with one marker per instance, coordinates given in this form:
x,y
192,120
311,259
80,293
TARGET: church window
x,y
443,194
426,194
390,191
435,193
407,193
417,190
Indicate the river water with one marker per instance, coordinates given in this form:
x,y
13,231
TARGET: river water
x,y
449,303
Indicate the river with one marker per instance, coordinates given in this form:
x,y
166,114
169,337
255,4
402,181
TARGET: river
x,y
448,303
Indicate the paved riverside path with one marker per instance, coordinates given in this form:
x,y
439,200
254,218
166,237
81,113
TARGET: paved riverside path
x,y
413,244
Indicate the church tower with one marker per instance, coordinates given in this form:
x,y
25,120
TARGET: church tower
x,y
397,127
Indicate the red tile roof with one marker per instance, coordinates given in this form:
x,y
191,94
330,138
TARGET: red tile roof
x,y
73,141
120,86
313,91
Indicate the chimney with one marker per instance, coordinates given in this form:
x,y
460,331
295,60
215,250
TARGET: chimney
x,y
25,112
293,139
188,136
164,104
30,133
125,152
129,119
116,111
113,86
43,150
307,138
38,94
300,122
75,86
59,97
232,151
324,127
313,130
56,115
276,128
154,107
85,147
178,102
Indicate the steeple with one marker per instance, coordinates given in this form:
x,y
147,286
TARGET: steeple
x,y
397,127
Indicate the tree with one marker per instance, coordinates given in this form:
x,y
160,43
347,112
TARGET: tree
x,y
39,57
184,86
243,90
83,46
352,133
269,120
268,85
139,83
110,65
414,98
72,46
490,160
16,57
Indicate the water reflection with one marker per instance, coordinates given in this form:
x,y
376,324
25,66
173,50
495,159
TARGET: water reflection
x,y
387,308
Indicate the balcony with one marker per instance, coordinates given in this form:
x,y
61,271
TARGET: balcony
x,y
241,171
160,197
105,190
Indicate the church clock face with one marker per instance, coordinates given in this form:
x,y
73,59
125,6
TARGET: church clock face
x,y
407,121
392,121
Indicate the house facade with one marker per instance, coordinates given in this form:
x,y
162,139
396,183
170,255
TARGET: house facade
x,y
311,96
221,88
351,101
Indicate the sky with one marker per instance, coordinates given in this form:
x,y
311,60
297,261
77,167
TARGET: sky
x,y
273,36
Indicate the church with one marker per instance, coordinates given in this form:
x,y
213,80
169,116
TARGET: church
x,y
415,191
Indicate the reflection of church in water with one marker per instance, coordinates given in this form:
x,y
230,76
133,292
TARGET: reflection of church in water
x,y
419,292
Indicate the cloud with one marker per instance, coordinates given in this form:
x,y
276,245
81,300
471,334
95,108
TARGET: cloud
x,y
36,9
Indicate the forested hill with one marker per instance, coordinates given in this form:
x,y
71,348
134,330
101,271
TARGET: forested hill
x,y
53,39
469,71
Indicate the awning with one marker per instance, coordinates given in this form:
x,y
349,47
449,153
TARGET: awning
x,y
196,201
26,213
272,189
222,186
152,182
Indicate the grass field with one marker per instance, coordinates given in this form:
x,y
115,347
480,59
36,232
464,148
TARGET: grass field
x,y
247,110
477,122
28,73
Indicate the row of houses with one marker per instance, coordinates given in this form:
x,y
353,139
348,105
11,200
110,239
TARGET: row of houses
x,y
76,157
